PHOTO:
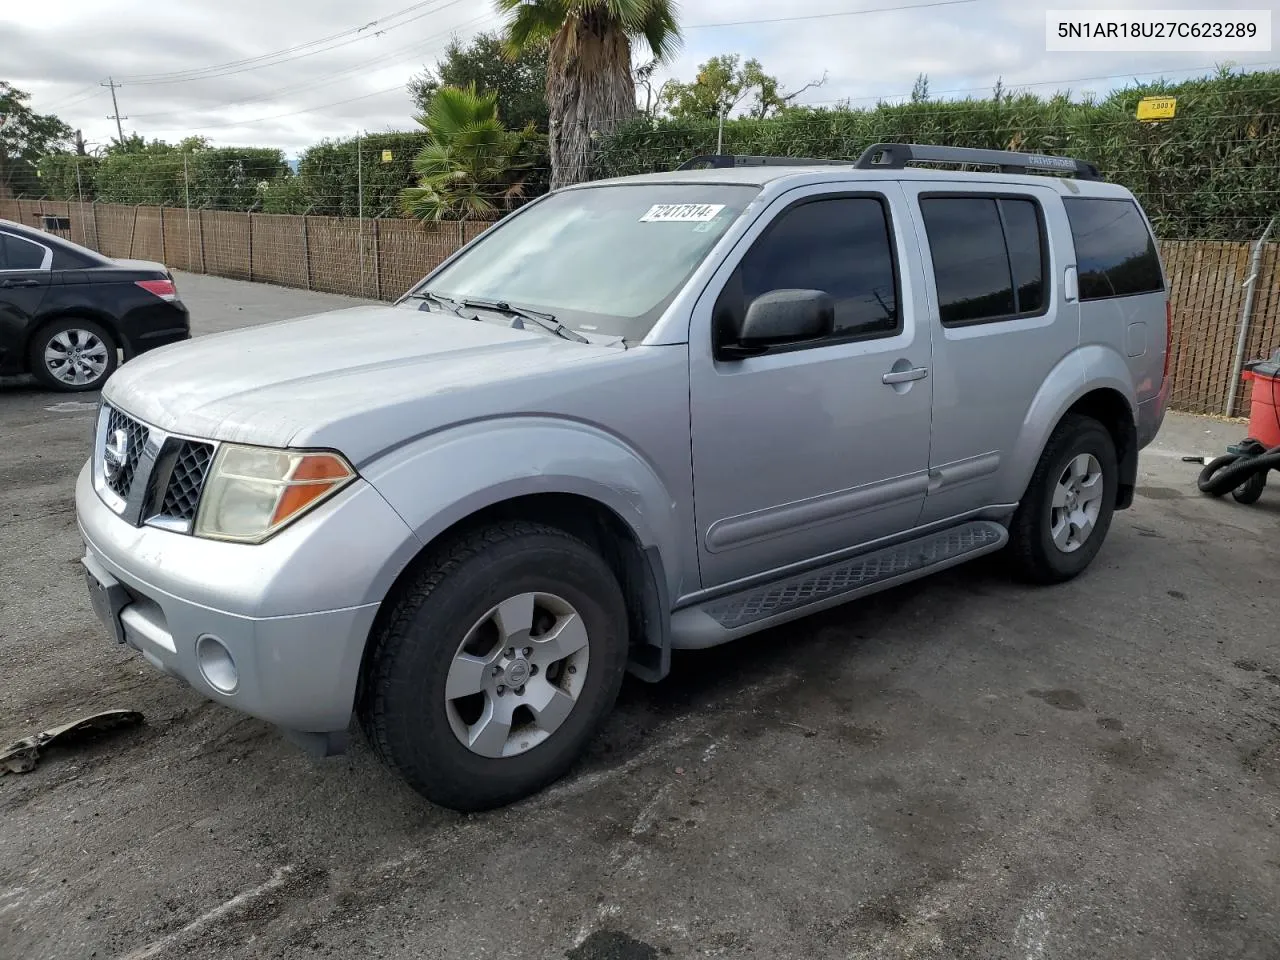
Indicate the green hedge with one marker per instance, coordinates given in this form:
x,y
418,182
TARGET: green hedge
x,y
1210,173
223,178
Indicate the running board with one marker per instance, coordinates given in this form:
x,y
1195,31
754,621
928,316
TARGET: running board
x,y
729,617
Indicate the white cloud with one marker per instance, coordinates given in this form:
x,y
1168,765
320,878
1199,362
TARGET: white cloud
x,y
59,52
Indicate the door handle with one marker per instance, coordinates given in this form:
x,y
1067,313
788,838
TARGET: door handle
x,y
905,376
20,283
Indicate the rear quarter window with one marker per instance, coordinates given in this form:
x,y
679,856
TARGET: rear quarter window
x,y
1115,252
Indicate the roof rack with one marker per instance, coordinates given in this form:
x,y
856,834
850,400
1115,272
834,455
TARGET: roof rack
x,y
724,161
895,156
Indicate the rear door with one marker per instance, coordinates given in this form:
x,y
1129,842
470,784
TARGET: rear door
x,y
25,276
1001,320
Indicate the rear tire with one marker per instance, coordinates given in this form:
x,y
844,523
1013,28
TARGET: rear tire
x,y
1064,516
470,717
73,355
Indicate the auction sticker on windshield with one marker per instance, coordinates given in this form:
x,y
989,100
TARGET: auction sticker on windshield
x,y
682,213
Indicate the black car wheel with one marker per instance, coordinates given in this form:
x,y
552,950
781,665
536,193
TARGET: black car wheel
x,y
73,354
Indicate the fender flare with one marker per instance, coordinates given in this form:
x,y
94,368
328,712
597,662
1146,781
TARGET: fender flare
x,y
1086,370
443,477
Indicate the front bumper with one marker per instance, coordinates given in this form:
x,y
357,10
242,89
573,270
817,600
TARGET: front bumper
x,y
292,614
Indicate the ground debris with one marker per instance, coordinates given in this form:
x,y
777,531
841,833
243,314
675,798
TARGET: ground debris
x,y
21,756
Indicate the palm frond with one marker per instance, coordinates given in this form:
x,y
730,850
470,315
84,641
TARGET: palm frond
x,y
532,23
661,30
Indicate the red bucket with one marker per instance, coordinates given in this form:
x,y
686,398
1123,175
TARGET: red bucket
x,y
1264,401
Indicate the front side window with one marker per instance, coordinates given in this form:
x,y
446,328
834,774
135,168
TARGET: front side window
x,y
1115,252
19,254
606,259
841,246
988,257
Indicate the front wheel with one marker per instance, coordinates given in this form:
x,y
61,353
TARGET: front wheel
x,y
1062,520
496,665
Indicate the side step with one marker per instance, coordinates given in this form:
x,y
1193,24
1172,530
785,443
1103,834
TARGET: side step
x,y
729,617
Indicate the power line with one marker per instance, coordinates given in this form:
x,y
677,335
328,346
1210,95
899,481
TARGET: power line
x,y
1041,83
387,59
825,16
278,57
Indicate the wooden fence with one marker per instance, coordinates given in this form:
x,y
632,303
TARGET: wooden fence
x,y
381,259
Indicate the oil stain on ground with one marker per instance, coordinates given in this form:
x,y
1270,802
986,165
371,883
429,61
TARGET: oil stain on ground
x,y
613,945
1062,699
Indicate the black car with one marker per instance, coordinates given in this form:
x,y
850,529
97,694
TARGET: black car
x,y
67,313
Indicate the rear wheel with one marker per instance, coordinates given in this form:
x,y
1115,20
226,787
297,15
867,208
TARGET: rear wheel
x,y
1062,520
495,666
73,354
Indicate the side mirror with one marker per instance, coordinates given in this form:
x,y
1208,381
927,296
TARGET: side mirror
x,y
783,316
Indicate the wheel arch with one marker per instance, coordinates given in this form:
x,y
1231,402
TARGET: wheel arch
x,y
1092,381
639,569
46,320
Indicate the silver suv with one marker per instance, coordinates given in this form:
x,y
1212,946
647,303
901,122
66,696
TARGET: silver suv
x,y
638,415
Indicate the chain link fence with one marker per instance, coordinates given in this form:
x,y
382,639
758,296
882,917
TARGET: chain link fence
x,y
382,258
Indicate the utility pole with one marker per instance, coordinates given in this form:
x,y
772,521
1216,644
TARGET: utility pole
x,y
116,107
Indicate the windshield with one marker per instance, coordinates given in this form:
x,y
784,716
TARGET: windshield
x,y
605,259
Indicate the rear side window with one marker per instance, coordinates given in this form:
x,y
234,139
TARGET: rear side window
x,y
988,257
1115,252
19,254
841,245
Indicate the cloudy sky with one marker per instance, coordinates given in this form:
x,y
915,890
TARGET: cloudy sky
x,y
287,73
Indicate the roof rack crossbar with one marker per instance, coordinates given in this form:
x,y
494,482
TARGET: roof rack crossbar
x,y
724,161
895,156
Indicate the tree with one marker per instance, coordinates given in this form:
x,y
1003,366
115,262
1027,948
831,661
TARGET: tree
x,y
590,86
920,89
25,136
520,82
722,83
472,166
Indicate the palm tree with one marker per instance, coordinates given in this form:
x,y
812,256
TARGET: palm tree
x,y
472,166
590,86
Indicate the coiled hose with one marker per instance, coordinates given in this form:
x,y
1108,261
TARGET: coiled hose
x,y
1242,474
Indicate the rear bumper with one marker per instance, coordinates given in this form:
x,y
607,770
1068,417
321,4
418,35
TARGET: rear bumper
x,y
1151,414
155,325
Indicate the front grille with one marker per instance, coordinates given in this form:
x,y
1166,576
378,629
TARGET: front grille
x,y
190,468
121,451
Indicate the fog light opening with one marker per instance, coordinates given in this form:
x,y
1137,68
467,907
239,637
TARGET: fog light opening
x,y
216,665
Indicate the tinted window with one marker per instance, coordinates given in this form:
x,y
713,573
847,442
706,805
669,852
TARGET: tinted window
x,y
840,246
1022,234
19,254
970,260
1115,253
988,257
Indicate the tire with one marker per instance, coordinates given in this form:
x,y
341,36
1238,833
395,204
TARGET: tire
x,y
1037,556
96,360
417,654
1251,490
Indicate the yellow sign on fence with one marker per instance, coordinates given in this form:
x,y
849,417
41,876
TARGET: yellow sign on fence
x,y
1157,108
386,156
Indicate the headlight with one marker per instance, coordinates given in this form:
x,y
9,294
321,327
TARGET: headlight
x,y
251,492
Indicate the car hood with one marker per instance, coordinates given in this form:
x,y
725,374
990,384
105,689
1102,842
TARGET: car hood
x,y
356,380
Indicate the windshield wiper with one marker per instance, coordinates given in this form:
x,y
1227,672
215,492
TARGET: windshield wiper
x,y
546,321
451,305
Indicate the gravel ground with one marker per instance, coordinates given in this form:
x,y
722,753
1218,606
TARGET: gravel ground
x,y
958,768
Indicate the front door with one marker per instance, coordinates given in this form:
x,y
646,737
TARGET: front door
x,y
812,448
